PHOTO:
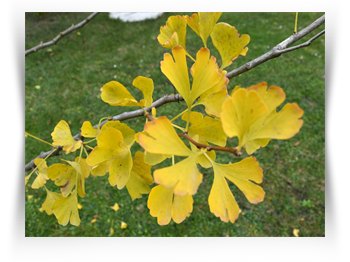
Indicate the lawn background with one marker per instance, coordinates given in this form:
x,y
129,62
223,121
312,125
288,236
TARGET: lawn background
x,y
71,74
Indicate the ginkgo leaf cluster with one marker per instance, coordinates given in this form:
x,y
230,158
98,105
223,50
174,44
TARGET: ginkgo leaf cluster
x,y
251,115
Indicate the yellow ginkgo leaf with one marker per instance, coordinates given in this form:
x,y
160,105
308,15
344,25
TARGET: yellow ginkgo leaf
x,y
109,143
240,111
51,197
115,94
123,225
85,168
296,232
207,128
127,132
192,22
213,98
66,210
111,147
282,125
146,86
115,207
62,136
66,177
205,73
153,159
173,33
245,175
228,42
176,71
221,201
203,24
119,171
140,177
161,138
87,130
184,176
42,176
164,205
272,125
101,169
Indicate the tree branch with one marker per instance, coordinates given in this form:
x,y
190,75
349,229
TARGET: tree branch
x,y
273,53
281,48
61,35
124,116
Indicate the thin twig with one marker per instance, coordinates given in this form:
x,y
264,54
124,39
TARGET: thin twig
x,y
61,35
232,150
124,116
281,48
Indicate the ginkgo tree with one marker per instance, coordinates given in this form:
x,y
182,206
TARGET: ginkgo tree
x,y
248,115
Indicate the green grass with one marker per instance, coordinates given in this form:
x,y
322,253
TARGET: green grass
x,y
71,73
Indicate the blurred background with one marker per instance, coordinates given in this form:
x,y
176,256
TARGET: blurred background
x,y
64,81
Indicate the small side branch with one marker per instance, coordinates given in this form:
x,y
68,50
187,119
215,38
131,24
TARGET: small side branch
x,y
281,48
232,150
61,35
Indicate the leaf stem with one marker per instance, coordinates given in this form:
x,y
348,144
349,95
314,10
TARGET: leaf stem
x,y
37,138
296,22
188,118
41,162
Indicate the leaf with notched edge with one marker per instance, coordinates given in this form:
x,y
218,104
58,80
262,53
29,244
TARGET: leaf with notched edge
x,y
66,210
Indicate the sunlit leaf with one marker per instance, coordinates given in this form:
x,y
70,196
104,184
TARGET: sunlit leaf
x,y
42,176
62,136
203,24
213,98
119,171
173,33
87,130
161,138
228,42
244,174
176,71
127,132
221,201
63,176
111,147
66,177
207,128
115,94
123,225
140,177
115,207
164,205
205,73
272,125
51,197
66,210
240,111
146,86
184,176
